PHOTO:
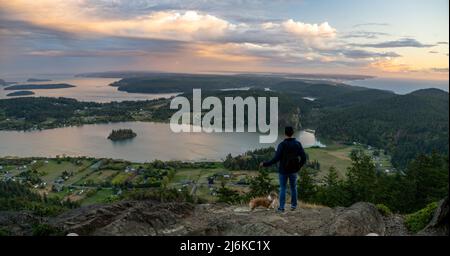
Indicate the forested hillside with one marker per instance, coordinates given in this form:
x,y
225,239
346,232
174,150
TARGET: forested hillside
x,y
405,125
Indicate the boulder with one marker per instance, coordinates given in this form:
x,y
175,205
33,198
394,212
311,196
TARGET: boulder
x,y
359,219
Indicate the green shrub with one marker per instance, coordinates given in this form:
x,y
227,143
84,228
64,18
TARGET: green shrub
x,y
227,195
4,232
159,194
418,220
384,210
45,230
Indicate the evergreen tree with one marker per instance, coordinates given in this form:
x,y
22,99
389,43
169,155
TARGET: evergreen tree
x,y
332,178
306,184
361,178
332,193
261,185
427,178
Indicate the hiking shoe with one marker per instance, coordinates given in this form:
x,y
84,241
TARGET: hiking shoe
x,y
293,208
279,210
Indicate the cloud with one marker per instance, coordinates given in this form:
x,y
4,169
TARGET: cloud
x,y
361,54
88,53
152,32
323,30
94,19
75,17
406,42
440,70
364,34
389,65
371,24
186,26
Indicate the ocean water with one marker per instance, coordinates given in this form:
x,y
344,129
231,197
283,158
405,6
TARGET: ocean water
x,y
86,89
400,86
153,141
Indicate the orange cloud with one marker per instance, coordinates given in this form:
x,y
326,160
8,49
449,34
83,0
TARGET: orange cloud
x,y
227,52
390,65
72,16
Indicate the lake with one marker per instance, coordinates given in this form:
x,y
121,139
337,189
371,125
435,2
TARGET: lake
x,y
87,89
153,141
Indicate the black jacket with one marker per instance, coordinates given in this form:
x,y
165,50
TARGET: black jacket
x,y
287,144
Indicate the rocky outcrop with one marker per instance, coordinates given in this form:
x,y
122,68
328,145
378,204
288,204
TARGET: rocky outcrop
x,y
141,218
153,218
18,223
124,218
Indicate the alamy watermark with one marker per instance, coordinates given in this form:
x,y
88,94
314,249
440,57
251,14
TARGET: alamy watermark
x,y
212,121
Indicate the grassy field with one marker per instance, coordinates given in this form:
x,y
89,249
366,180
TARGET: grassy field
x,y
97,196
97,177
339,157
334,155
51,170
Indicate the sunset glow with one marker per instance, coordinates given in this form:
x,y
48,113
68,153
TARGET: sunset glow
x,y
388,38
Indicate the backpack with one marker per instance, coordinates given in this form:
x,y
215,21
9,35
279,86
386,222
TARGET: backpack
x,y
291,162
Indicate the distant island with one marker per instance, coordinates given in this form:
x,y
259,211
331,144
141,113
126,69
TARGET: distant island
x,y
121,134
4,83
38,86
38,80
20,93
131,74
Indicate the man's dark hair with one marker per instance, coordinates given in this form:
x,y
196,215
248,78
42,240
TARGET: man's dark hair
x,y
288,131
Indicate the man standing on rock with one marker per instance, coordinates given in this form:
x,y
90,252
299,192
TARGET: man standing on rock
x,y
288,153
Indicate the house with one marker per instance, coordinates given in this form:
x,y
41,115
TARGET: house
x,y
225,175
242,182
7,177
129,169
57,187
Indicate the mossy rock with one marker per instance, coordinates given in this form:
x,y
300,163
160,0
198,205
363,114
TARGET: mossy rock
x,y
418,220
384,210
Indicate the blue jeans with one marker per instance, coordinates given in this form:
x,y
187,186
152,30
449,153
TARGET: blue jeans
x,y
292,177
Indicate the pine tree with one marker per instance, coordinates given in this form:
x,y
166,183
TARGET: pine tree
x,y
306,184
332,177
261,185
361,178
332,193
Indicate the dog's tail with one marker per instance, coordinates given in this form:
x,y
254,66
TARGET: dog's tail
x,y
251,205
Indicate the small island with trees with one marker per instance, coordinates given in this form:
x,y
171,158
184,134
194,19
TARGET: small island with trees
x,y
121,134
20,93
38,80
38,86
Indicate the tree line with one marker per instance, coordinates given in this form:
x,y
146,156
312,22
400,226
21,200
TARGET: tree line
x,y
423,181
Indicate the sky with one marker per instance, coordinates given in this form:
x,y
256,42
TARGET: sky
x,y
384,38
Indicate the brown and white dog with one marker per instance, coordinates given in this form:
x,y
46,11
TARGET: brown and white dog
x,y
269,202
